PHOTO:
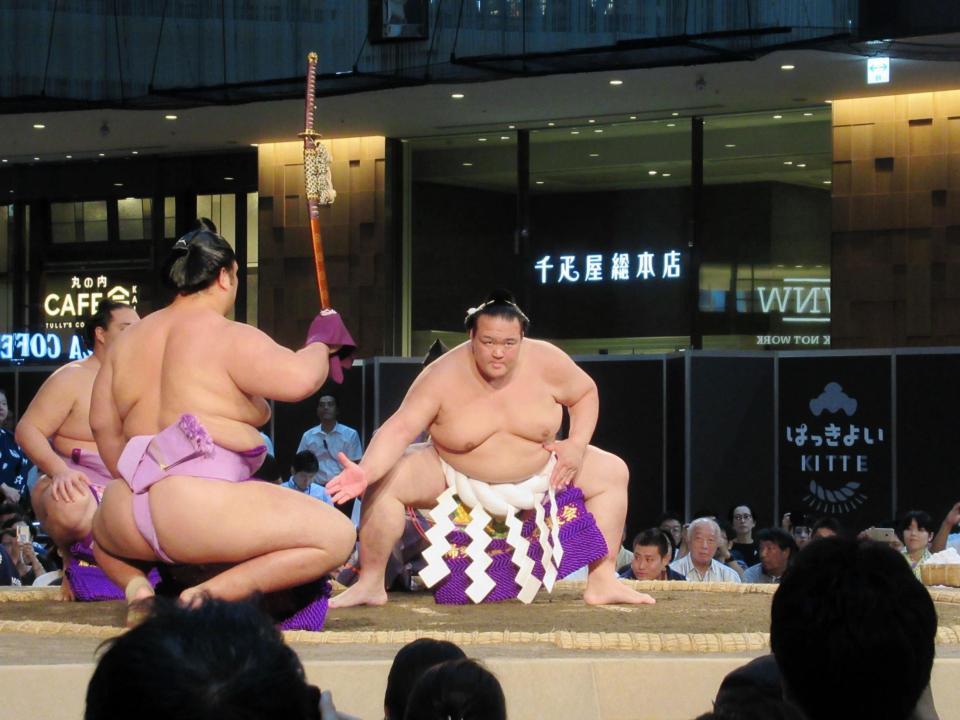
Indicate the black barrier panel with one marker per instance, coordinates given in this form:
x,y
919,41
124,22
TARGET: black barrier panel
x,y
291,420
731,435
391,379
675,499
928,398
29,381
631,426
835,437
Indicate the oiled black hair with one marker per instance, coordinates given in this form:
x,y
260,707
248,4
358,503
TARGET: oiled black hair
x,y
499,303
196,260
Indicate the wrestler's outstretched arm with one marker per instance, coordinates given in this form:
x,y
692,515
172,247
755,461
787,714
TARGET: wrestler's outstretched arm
x,y
577,391
261,367
105,420
417,411
47,412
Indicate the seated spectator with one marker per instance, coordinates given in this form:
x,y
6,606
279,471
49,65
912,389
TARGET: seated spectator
x,y
671,524
413,660
916,531
778,551
215,660
26,565
8,572
745,548
270,471
461,689
303,472
946,537
703,537
826,527
652,551
800,528
853,633
624,556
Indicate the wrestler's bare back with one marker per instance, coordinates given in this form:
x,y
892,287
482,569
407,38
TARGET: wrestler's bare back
x,y
496,434
177,361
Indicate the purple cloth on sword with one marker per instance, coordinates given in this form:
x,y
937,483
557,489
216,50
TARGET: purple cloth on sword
x,y
327,327
580,538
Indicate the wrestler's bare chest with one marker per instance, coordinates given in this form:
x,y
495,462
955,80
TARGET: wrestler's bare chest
x,y
523,411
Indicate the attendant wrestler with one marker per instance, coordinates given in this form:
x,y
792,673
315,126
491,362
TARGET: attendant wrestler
x,y
493,406
55,434
175,412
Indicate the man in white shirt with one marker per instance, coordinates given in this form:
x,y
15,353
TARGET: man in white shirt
x,y
703,537
329,438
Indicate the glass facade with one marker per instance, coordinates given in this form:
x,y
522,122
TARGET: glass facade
x,y
590,224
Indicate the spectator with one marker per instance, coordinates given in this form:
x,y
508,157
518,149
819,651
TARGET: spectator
x,y
745,549
413,660
826,527
270,471
853,633
778,550
800,529
945,536
724,556
703,536
670,523
916,531
14,465
26,566
652,552
210,661
330,438
461,689
8,571
303,474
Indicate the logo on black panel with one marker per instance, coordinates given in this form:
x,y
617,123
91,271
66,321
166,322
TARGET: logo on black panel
x,y
835,451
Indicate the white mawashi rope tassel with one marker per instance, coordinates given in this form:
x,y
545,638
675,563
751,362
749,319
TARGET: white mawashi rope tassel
x,y
549,572
436,568
555,529
482,583
528,582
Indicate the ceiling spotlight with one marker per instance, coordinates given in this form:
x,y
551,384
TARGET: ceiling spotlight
x,y
778,117
227,178
801,164
118,184
671,124
616,82
808,114
102,154
457,96
651,172
467,164
511,127
254,144
539,182
591,121
665,175
729,145
788,162
574,132
4,160
828,182
134,152
591,155
829,102
676,114
551,124
38,126
787,67
69,157
169,117
36,158
481,139
598,130
633,117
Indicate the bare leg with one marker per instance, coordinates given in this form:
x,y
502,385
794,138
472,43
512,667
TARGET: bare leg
x,y
603,479
415,480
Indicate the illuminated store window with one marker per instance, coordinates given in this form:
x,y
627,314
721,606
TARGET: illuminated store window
x,y
253,256
765,275
607,266
461,226
222,209
170,218
75,222
133,217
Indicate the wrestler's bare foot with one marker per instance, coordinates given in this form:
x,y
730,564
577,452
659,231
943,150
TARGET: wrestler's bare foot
x,y
139,594
610,591
361,593
194,597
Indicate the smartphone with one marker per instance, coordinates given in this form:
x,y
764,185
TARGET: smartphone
x,y
23,533
885,535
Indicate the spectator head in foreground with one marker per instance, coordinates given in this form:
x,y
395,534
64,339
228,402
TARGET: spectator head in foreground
x,y
413,660
853,632
217,661
826,527
461,689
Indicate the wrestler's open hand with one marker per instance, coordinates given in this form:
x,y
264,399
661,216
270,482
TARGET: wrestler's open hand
x,y
348,484
69,486
569,459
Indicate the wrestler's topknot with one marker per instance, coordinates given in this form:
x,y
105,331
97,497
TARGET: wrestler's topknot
x,y
499,303
196,260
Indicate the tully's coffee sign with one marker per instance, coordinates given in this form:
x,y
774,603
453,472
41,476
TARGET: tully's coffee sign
x,y
68,301
835,445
